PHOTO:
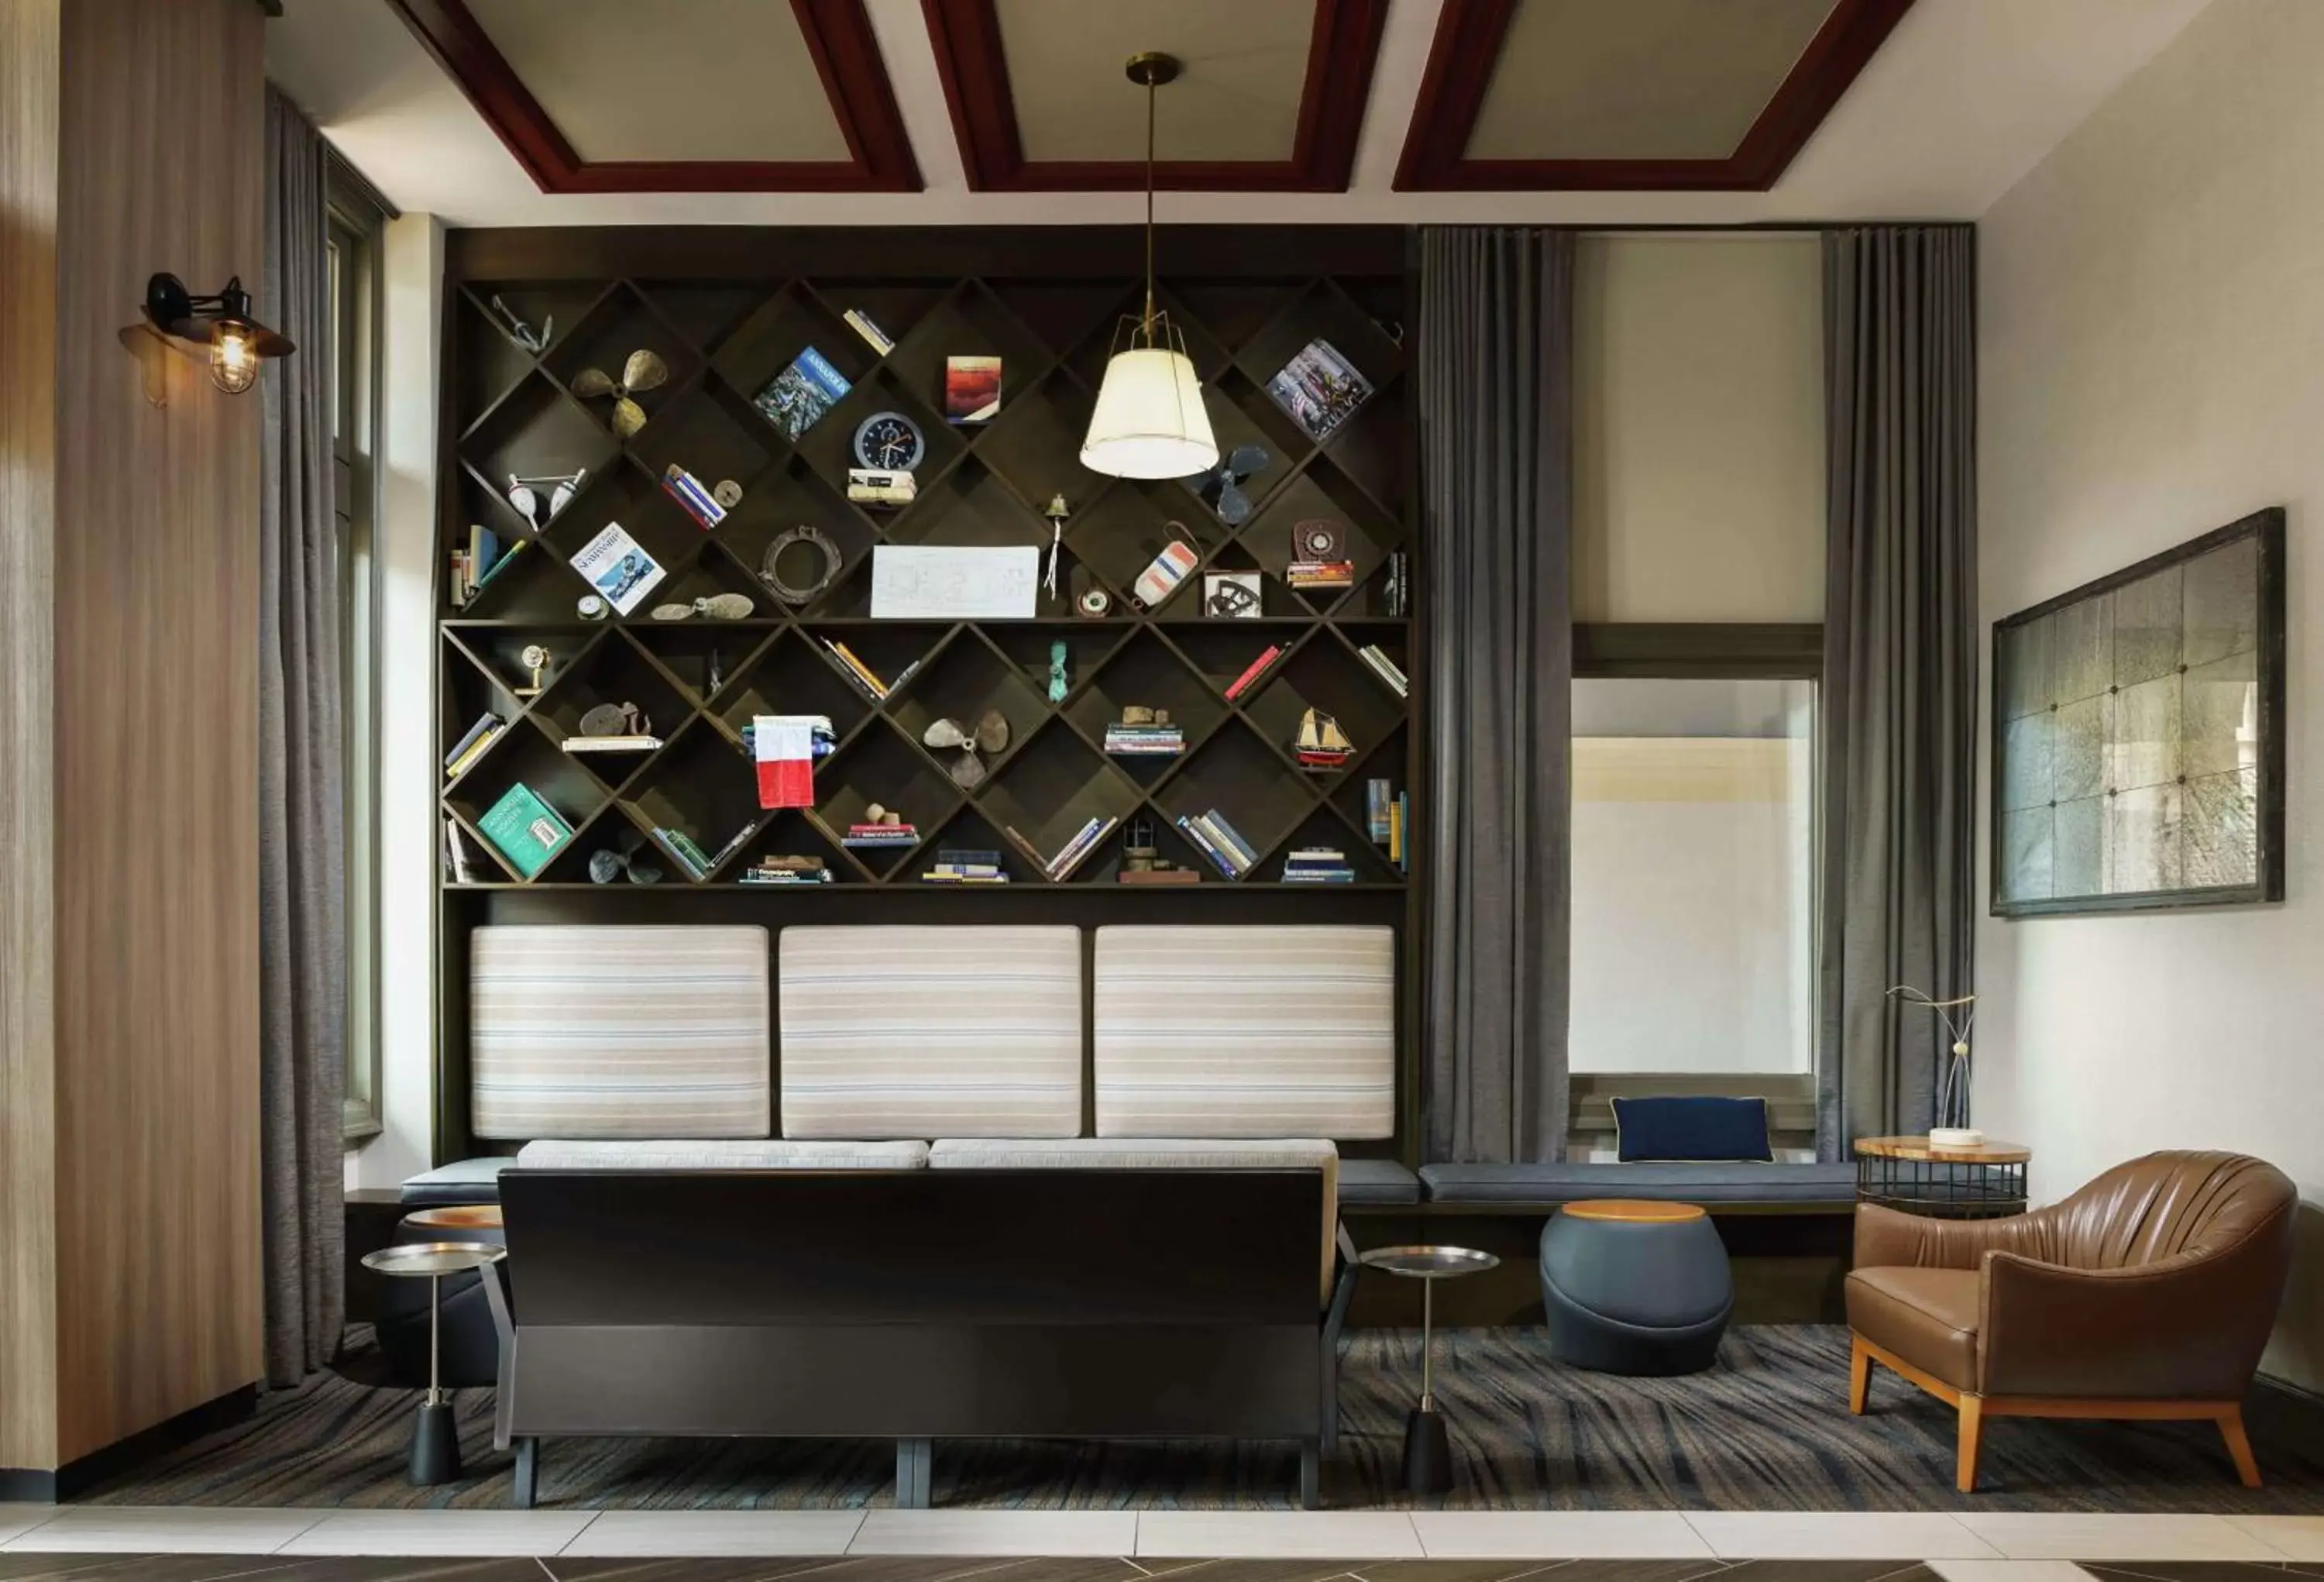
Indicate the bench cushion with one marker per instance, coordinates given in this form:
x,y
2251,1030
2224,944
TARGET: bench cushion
x,y
1713,1185
1156,1153
730,1153
628,1031
936,1032
1208,1031
1377,1180
458,1184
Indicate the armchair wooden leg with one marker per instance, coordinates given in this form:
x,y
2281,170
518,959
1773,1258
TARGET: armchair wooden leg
x,y
2239,1449
1859,1375
1972,1432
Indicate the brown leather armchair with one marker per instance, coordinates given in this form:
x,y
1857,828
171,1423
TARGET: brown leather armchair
x,y
2149,1293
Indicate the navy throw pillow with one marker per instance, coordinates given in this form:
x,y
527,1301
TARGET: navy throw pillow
x,y
1692,1129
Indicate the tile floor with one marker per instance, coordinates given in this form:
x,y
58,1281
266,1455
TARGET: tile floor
x,y
886,1545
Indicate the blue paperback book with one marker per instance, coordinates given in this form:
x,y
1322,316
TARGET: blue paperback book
x,y
795,398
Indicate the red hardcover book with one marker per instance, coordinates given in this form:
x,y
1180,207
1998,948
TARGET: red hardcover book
x,y
1258,667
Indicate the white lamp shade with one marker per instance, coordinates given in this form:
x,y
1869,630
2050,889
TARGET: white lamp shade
x,y
1149,421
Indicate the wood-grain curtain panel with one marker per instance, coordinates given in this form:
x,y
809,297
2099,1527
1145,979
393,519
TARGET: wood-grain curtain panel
x,y
301,774
1496,458
1900,668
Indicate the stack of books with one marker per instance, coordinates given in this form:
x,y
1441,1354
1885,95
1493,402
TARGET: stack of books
x,y
954,866
1321,574
1318,864
1385,667
881,835
863,675
473,745
1221,842
1138,740
683,488
641,744
1070,856
1256,668
787,870
479,563
873,336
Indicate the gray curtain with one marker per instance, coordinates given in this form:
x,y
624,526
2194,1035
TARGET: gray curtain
x,y
1900,668
302,894
1495,396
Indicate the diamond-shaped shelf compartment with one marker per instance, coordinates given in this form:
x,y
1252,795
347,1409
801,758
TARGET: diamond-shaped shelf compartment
x,y
880,767
1384,760
526,756
1066,316
536,430
963,683
526,581
895,308
1323,493
1324,312
795,832
1166,840
1323,675
1036,442
830,445
1243,777
1127,525
625,495
469,687
489,359
703,658
1221,651
612,672
1117,332
966,504
1149,673
1032,650
970,831
1211,601
1051,787
789,321
1324,830
968,322
499,652
714,435
790,675
711,574
789,497
896,653
703,314
702,787
621,325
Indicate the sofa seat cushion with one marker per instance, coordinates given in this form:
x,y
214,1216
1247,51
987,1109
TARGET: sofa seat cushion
x,y
1241,1031
638,1032
462,1182
1155,1153
959,1030
1377,1180
727,1153
1928,1317
1713,1185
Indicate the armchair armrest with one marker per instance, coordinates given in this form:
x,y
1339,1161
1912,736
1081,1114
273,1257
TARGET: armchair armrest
x,y
2189,1328
1888,1238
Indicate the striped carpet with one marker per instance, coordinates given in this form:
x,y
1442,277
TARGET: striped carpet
x,y
1767,1430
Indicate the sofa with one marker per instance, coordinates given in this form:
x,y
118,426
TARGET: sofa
x,y
2149,1293
839,1205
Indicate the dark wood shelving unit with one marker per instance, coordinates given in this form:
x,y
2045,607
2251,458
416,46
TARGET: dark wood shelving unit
x,y
728,315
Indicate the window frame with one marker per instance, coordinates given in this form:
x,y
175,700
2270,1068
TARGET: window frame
x,y
1707,651
356,220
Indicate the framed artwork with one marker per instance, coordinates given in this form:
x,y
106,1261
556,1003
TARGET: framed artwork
x,y
2138,734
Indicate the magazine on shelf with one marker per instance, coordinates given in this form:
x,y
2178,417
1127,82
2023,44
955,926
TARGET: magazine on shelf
x,y
621,571
1319,388
795,398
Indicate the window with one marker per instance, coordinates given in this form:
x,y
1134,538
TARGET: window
x,y
353,289
1693,876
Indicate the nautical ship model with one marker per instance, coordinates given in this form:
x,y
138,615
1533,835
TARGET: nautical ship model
x,y
1322,745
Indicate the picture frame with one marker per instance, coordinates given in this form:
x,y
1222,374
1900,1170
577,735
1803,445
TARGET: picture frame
x,y
2137,734
1233,595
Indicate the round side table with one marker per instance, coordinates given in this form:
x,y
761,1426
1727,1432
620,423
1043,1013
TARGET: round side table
x,y
435,1443
1912,1174
1427,1452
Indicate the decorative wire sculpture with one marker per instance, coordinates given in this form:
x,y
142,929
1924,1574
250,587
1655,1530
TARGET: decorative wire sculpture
x,y
1952,1081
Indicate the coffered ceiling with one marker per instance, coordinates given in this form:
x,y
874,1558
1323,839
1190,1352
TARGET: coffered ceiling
x,y
1013,111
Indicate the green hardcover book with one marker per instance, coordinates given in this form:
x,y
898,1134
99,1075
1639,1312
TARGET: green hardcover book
x,y
525,829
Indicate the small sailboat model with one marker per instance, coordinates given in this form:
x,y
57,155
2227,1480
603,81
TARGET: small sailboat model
x,y
1322,745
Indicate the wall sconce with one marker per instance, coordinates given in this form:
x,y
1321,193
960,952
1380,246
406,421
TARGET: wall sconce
x,y
220,326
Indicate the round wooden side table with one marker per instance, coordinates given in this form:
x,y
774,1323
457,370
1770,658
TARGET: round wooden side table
x,y
1985,1182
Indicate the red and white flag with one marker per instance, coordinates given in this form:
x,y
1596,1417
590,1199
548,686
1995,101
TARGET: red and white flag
x,y
784,745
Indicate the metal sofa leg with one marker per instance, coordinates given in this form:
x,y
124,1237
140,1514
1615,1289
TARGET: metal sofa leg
x,y
915,1461
526,1482
1311,1474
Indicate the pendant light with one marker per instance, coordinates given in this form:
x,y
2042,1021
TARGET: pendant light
x,y
1150,421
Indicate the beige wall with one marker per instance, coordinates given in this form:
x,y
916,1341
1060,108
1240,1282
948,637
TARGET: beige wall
x,y
130,1061
1699,427
2153,311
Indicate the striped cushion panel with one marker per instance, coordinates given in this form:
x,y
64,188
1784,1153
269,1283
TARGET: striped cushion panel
x,y
1246,1032
637,1032
723,1153
959,1031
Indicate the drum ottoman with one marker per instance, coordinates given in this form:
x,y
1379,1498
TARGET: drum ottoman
x,y
1635,1287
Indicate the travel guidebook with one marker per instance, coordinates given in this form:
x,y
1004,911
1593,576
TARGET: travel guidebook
x,y
972,389
795,398
618,568
1319,388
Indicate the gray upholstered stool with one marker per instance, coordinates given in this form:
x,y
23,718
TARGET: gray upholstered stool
x,y
1635,1287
